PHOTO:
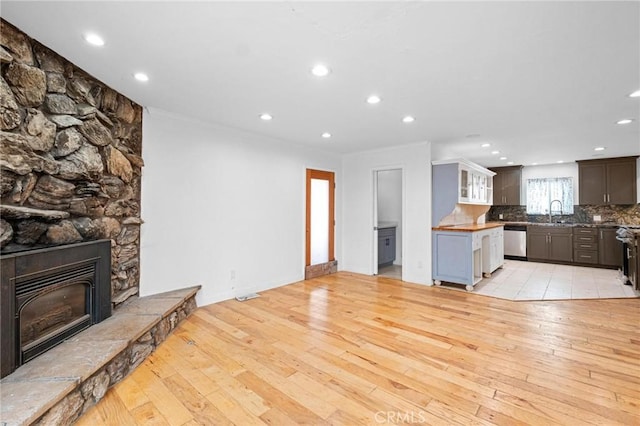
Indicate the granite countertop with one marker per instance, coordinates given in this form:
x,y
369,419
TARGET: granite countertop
x,y
469,227
583,225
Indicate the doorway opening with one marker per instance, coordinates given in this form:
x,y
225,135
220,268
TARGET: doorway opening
x,y
320,224
388,222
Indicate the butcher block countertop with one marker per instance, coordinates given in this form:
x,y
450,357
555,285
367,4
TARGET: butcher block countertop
x,y
468,227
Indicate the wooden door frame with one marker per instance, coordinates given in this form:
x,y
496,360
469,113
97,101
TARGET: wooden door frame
x,y
324,175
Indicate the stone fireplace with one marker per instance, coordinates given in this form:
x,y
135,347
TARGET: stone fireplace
x,y
70,174
49,295
70,160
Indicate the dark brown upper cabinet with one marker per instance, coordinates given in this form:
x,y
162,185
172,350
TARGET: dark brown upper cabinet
x,y
506,185
608,181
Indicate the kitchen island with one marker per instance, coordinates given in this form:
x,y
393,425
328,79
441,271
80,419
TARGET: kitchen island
x,y
463,254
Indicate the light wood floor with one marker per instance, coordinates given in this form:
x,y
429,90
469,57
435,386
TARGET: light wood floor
x,y
351,349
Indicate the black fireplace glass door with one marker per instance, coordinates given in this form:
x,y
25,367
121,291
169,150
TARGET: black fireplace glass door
x,y
50,312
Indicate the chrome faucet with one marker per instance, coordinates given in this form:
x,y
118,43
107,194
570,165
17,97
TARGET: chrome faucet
x,y
550,205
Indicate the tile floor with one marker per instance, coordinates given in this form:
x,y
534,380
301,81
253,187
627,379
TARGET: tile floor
x,y
518,280
393,271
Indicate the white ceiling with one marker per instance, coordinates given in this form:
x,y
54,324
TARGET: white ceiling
x,y
541,81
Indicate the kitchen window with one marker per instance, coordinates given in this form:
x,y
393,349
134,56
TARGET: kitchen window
x,y
541,192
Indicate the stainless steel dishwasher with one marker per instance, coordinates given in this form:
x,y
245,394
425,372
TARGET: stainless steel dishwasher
x,y
515,242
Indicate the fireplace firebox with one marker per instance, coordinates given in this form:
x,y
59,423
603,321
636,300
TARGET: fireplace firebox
x,y
48,295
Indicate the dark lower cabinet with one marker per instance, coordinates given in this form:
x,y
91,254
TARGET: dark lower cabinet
x,y
634,262
537,245
550,243
597,246
561,247
386,246
636,282
610,249
585,245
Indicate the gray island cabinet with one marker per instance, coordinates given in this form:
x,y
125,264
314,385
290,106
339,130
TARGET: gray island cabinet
x,y
463,254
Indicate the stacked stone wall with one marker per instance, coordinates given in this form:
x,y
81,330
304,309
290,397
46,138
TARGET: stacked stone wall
x,y
70,158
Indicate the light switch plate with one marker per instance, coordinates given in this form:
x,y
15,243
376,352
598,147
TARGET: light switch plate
x,y
597,218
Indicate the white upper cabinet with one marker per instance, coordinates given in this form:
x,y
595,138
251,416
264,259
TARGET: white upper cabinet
x,y
475,183
475,186
459,181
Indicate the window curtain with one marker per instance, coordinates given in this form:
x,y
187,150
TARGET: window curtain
x,y
540,193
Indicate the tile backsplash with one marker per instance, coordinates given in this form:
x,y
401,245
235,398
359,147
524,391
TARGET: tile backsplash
x,y
619,214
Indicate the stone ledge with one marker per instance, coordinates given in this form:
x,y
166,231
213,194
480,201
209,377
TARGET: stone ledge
x,y
21,212
321,269
59,385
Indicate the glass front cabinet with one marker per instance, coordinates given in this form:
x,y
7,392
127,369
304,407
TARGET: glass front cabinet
x,y
475,186
464,185
458,181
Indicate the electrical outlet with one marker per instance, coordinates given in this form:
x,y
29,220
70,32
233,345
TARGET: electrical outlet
x,y
500,216
420,265
597,218
232,275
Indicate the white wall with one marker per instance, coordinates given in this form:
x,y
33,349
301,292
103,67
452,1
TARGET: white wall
x,y
357,209
550,171
390,204
217,200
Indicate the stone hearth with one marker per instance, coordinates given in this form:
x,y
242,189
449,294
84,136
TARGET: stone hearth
x,y
58,386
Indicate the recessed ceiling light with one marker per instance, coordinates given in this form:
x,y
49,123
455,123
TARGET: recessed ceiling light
x,y
140,76
408,119
326,135
373,99
495,152
560,161
265,117
635,94
599,148
534,164
509,162
485,145
503,158
320,70
625,121
94,39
